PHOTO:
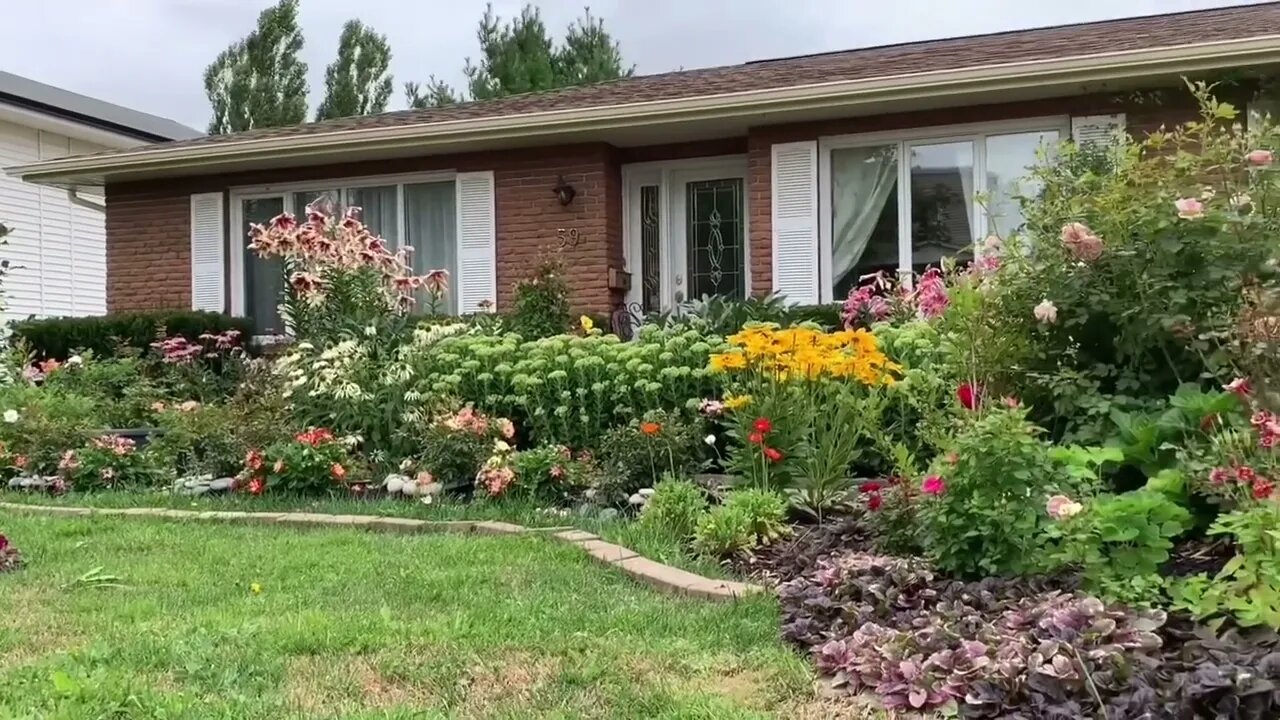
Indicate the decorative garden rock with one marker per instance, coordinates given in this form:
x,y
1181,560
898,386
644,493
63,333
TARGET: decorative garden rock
x,y
39,483
203,485
395,483
638,500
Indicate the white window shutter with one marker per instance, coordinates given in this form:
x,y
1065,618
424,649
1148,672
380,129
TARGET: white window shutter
x,y
208,253
795,221
1104,130
477,280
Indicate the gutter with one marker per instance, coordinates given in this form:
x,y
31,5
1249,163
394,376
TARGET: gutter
x,y
845,93
78,201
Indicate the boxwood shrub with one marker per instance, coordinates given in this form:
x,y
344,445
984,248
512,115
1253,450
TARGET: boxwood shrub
x,y
105,334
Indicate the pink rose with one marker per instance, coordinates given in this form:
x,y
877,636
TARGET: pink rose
x,y
1081,242
933,485
1189,208
1061,507
1260,158
1046,312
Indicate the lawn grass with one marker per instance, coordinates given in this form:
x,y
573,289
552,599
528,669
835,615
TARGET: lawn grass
x,y
623,531
354,624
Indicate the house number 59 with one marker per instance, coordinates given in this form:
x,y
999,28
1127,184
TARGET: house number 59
x,y
568,237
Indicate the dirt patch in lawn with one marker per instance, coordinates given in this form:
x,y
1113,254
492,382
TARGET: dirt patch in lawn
x,y
319,685
506,684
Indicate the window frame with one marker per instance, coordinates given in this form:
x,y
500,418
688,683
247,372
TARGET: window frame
x,y
905,139
238,194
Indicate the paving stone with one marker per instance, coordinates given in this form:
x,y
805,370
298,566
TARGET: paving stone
x,y
448,526
498,528
323,520
400,525
711,589
680,582
549,530
575,536
57,510
606,552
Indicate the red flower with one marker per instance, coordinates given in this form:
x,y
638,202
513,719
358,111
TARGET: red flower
x,y
257,485
650,428
933,485
970,395
337,471
755,438
871,486
774,454
253,460
762,425
4,543
1246,474
1262,489
874,502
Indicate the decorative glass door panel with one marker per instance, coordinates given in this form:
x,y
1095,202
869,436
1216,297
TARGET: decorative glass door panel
x,y
650,248
714,238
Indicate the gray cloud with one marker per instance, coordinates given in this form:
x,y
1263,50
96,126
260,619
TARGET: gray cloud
x,y
150,54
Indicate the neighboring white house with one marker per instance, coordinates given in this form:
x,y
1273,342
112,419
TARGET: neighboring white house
x,y
58,240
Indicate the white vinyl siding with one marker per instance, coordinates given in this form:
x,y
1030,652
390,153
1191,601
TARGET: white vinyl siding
x,y
477,256
57,248
208,257
795,221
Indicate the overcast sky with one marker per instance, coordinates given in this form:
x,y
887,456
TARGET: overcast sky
x,y
150,55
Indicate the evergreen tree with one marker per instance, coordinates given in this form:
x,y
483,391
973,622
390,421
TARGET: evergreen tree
x,y
518,56
436,94
260,81
358,81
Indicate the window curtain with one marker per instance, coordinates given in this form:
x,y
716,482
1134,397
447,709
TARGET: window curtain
x,y
431,227
861,181
377,210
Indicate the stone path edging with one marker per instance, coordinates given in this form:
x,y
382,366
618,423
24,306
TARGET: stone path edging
x,y
664,578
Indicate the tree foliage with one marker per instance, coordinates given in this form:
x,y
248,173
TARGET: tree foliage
x,y
358,81
260,81
518,56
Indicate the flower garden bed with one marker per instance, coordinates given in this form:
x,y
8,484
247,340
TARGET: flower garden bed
x,y
1040,483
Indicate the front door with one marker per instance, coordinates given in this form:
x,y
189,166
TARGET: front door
x,y
708,236
686,233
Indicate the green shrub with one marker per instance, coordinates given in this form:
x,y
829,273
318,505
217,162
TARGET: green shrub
x,y
766,512
206,439
723,532
105,335
46,423
1246,589
640,453
552,473
724,316
983,507
675,507
567,389
541,303
1120,542
110,462
747,519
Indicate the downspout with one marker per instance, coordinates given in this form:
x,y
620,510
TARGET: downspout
x,y
89,204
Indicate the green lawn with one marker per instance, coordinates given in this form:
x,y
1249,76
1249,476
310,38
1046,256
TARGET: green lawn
x,y
360,625
655,546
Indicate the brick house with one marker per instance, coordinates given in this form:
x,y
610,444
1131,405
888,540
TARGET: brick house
x,y
794,175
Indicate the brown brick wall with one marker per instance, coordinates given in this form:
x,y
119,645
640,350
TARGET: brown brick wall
x,y
144,218
148,252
